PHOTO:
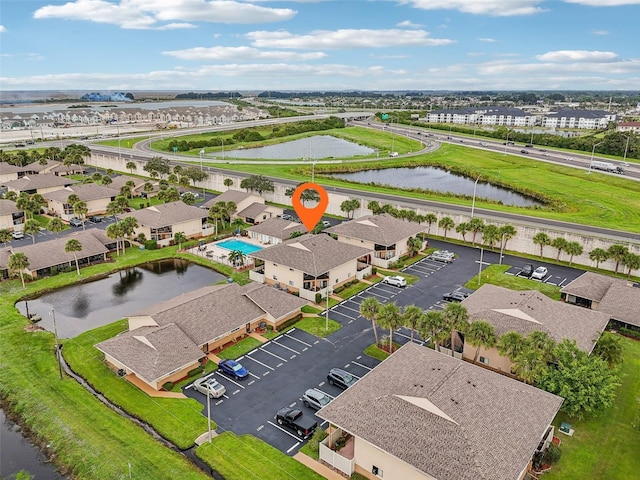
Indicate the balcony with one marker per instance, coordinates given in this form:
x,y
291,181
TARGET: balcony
x,y
341,459
257,274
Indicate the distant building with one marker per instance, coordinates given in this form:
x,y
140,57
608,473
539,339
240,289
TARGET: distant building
x,y
633,127
573,118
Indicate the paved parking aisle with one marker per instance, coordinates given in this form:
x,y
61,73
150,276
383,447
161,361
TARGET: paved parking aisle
x,y
424,267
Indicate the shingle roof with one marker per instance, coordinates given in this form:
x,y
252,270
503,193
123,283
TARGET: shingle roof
x,y
166,214
381,229
43,180
118,181
445,417
235,196
9,168
530,310
208,312
312,254
616,297
8,207
278,228
152,352
86,193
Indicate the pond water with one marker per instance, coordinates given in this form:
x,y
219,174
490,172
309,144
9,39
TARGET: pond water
x,y
86,306
17,453
316,147
438,180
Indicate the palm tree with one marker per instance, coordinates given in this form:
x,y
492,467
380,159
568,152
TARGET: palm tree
x,y
106,180
80,209
560,244
127,228
542,239
412,316
631,261
573,248
430,218
480,334
510,344
73,246
229,208
113,231
131,166
237,257
463,228
476,225
5,236
227,183
542,342
507,232
598,255
529,364
617,253
130,184
490,235
414,245
31,227
178,238
457,320
18,262
374,206
609,348
432,326
390,317
446,224
55,225
216,212
238,223
369,309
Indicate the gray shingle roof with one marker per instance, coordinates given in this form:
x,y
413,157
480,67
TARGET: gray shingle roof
x,y
8,207
43,180
118,181
278,228
381,229
529,310
166,214
152,352
253,210
312,254
591,286
235,196
86,193
445,417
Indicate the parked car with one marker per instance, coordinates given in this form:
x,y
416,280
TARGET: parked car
x,y
396,281
314,398
209,386
17,235
455,296
296,421
340,378
527,270
233,369
75,222
539,273
95,218
286,216
443,256
326,224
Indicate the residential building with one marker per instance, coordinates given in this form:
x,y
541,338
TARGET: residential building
x,y
573,118
618,299
161,222
166,340
311,264
385,235
275,230
424,415
633,127
42,183
251,208
97,197
527,311
489,115
11,217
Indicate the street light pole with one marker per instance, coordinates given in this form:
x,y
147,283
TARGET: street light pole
x,y
501,247
626,149
222,140
473,202
593,150
506,143
209,415
480,267
55,336
326,327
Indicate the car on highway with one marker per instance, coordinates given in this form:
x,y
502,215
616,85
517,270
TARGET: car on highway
x,y
75,222
209,386
233,369
443,256
17,235
396,281
314,398
455,296
340,378
524,151
539,273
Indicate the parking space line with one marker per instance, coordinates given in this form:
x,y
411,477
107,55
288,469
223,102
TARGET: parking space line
x,y
284,346
343,314
224,376
381,296
258,361
564,280
283,430
219,401
393,291
254,376
273,355
294,446
361,365
352,309
297,340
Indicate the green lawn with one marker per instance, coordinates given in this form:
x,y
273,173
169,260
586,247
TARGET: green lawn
x,y
375,352
317,326
606,447
494,274
244,457
353,290
240,348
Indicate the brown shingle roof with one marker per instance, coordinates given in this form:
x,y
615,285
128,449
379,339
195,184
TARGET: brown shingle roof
x,y
235,196
8,207
312,254
278,228
253,210
529,310
166,214
445,417
381,229
86,193
152,352
591,286
34,182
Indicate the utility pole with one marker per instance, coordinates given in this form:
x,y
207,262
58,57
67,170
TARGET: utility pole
x,y
55,335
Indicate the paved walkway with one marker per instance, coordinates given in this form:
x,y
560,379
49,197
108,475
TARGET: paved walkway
x,y
150,391
318,467
214,358
258,337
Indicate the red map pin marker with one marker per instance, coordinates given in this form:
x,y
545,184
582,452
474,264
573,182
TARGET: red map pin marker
x,y
310,216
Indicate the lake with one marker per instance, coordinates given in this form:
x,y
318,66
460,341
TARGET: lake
x,y
85,306
437,180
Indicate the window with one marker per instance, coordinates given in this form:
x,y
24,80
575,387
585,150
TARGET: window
x,y
376,471
291,283
484,360
275,277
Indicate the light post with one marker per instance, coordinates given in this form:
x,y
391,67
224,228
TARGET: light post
x,y
55,335
501,247
119,154
222,140
473,201
209,415
626,149
480,267
326,327
593,151
506,143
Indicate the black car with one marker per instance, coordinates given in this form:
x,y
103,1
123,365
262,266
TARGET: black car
x,y
523,151
455,296
527,270
340,378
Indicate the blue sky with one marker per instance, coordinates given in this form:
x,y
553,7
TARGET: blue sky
x,y
128,45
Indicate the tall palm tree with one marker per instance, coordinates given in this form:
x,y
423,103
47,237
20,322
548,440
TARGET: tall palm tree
x,y
178,238
113,231
430,218
433,326
446,224
73,246
414,245
463,228
80,210
507,232
617,252
480,334
369,309
18,262
542,239
5,236
510,344
559,243
412,316
476,225
490,235
631,261
542,342
227,182
55,225
529,364
573,248
31,227
609,348
127,228
216,211
598,255
237,257
131,166
457,320
390,317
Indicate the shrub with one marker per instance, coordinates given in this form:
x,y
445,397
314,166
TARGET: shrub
x,y
374,270
168,386
318,297
630,332
318,436
150,245
196,371
553,454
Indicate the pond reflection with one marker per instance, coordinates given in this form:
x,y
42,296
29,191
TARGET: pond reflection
x,y
316,147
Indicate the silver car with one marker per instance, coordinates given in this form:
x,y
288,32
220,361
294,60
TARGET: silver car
x,y
209,386
314,398
443,256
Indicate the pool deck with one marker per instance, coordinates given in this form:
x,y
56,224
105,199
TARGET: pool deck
x,y
219,254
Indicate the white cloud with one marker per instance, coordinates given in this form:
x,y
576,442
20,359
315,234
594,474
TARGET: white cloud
x,y
150,14
498,8
476,54
604,3
408,24
346,38
561,56
487,40
599,32
2,29
241,54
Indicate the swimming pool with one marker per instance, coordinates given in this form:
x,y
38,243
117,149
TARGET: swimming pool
x,y
244,247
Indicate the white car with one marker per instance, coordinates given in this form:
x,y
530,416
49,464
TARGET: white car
x,y
396,281
17,235
539,273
